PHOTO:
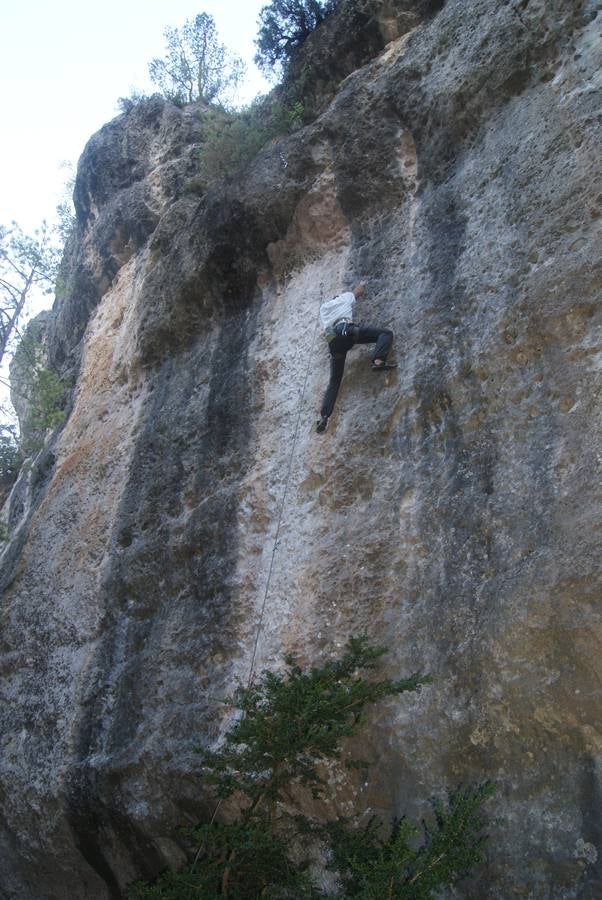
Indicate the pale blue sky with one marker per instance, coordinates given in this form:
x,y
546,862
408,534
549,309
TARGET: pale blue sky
x,y
63,64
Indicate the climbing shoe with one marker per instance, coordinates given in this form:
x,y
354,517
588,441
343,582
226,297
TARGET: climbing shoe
x,y
322,425
383,367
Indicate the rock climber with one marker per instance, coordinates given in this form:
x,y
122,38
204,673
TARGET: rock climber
x,y
342,334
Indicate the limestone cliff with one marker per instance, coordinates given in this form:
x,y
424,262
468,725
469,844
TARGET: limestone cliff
x,y
451,510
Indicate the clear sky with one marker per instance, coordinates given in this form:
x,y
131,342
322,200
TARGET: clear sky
x,y
64,64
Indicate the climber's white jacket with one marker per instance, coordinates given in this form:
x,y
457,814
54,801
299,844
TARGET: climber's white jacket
x,y
340,307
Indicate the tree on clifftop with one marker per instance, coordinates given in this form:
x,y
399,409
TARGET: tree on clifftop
x,y
284,27
196,65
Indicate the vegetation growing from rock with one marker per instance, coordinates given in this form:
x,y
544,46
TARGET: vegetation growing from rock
x,y
28,266
46,393
10,457
233,139
38,392
285,747
127,103
65,211
196,65
285,25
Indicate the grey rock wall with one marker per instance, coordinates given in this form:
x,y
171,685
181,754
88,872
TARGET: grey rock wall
x,y
451,510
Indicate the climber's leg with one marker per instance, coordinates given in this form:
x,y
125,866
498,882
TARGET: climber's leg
x,y
337,367
381,337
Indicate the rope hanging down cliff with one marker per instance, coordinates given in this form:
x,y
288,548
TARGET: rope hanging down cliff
x,y
277,535
284,493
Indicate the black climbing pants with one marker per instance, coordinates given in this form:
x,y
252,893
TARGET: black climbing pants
x,y
346,336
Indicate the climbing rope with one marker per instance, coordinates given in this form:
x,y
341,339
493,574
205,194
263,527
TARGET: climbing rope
x,y
277,535
284,494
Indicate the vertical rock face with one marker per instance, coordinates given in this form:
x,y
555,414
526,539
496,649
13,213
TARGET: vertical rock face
x,y
451,510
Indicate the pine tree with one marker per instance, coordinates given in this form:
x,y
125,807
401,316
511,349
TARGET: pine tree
x,y
289,727
27,263
284,26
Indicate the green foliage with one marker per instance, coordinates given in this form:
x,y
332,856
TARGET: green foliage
x,y
284,26
196,65
290,731
255,859
291,722
40,391
10,455
28,267
233,139
61,290
287,116
372,865
46,392
65,211
134,99
230,141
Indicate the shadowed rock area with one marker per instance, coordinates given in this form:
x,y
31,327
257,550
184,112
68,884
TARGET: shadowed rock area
x,y
451,511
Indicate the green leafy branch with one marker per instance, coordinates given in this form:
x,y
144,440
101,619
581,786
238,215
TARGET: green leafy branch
x,y
291,728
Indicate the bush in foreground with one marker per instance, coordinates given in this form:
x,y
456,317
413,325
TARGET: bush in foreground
x,y
283,748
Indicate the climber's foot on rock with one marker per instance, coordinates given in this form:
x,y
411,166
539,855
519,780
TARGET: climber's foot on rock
x,y
322,424
379,365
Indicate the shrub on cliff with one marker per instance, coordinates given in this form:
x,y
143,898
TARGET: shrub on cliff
x,y
37,392
285,25
287,745
231,139
10,456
